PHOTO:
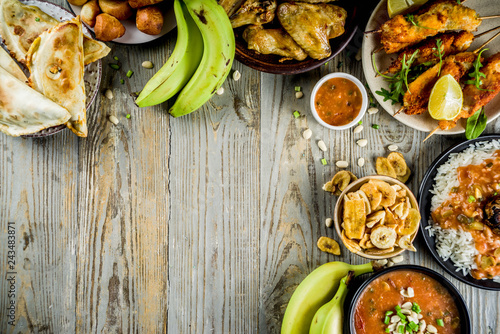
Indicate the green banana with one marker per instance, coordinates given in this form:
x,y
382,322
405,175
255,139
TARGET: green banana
x,y
314,291
218,55
329,319
181,64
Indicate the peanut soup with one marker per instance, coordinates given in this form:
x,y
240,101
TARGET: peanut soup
x,y
406,301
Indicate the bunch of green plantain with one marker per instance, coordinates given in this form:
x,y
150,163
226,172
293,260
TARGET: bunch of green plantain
x,y
201,60
316,305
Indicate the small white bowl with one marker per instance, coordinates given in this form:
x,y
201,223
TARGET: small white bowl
x,y
364,103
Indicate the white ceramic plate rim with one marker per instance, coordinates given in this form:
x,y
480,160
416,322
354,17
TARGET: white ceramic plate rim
x,y
132,34
418,122
364,96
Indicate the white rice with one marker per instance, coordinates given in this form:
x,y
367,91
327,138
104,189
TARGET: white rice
x,y
457,245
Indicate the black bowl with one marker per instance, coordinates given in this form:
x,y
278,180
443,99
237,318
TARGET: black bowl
x,y
272,64
424,202
465,324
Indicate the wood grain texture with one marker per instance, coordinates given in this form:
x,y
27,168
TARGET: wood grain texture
x,y
201,224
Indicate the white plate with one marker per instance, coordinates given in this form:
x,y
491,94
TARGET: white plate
x,y
424,122
93,71
132,34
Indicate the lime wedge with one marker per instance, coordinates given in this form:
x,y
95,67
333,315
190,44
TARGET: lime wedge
x,y
395,7
445,102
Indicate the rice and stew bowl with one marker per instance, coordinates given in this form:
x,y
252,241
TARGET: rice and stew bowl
x,y
465,210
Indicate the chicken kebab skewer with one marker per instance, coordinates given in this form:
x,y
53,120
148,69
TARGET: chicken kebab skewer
x,y
449,44
416,98
438,17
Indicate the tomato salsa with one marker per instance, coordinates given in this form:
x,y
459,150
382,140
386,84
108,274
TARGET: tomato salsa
x,y
338,101
464,210
406,298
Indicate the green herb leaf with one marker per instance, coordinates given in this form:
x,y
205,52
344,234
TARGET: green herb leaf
x,y
439,53
129,73
324,162
360,122
387,320
416,308
128,116
37,19
411,19
296,114
476,74
471,199
114,66
297,88
115,58
476,124
375,126
122,81
440,322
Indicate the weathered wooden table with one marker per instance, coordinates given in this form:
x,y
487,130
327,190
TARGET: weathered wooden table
x,y
202,224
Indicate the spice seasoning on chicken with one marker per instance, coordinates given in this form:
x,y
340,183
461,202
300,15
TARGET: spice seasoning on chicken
x,y
338,101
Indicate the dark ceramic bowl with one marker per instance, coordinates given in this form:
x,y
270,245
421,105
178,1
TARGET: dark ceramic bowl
x,y
465,324
424,202
272,64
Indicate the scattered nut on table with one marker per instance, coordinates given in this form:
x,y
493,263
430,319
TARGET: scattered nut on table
x,y
220,91
372,110
358,129
114,120
109,94
322,145
307,133
147,64
329,222
392,147
362,142
236,75
299,95
361,162
342,164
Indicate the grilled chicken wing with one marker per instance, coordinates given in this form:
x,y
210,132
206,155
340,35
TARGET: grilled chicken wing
x,y
273,41
254,12
231,6
312,25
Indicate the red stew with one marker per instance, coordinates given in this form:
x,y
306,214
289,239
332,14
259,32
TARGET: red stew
x,y
464,209
384,293
338,101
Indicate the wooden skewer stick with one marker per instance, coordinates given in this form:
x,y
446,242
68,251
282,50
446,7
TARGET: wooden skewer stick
x,y
375,31
400,110
379,49
430,134
489,17
484,44
486,32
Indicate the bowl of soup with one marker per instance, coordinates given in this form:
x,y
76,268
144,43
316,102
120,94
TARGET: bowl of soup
x,y
338,101
408,299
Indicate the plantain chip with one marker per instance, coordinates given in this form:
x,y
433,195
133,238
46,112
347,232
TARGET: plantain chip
x,y
354,218
350,244
383,167
405,177
329,187
376,251
364,240
398,163
405,243
341,180
375,218
410,224
398,208
362,195
383,237
374,196
388,193
328,245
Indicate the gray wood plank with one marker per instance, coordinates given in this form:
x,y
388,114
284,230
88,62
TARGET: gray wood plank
x,y
214,230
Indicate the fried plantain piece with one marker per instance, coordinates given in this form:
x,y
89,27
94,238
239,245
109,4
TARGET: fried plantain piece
x,y
388,193
383,167
398,163
374,196
383,237
410,224
329,245
350,244
354,218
